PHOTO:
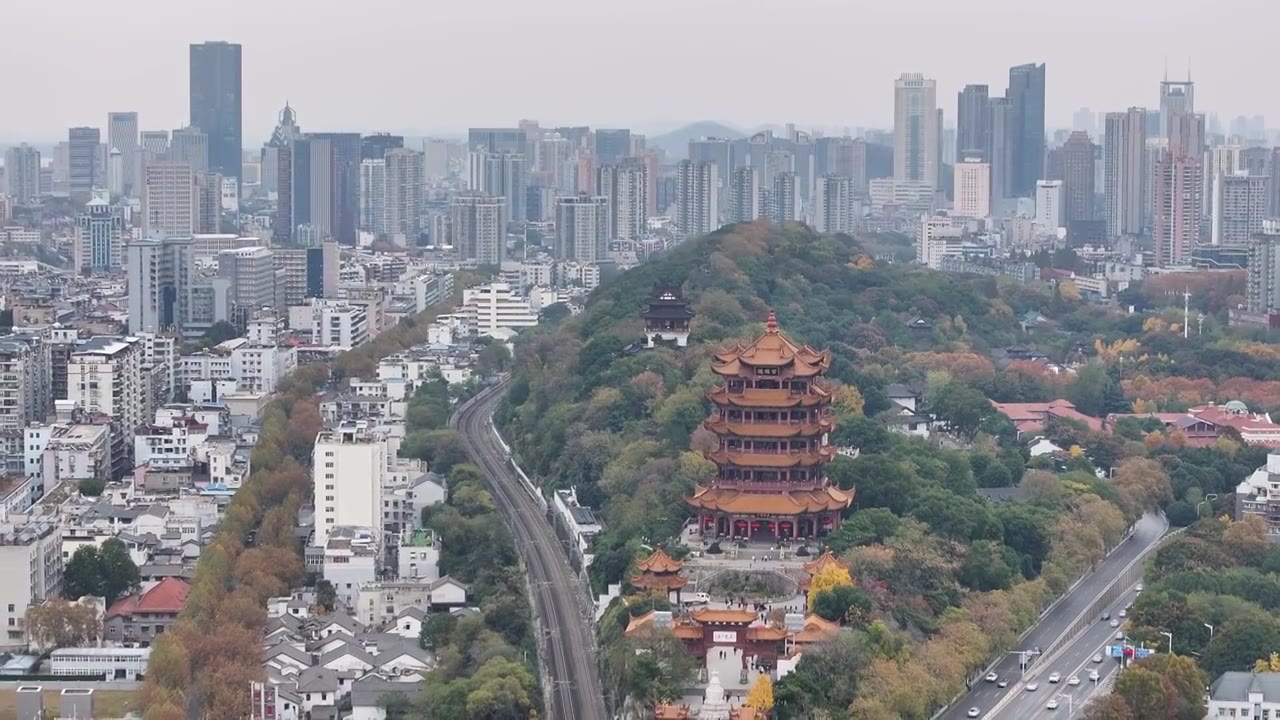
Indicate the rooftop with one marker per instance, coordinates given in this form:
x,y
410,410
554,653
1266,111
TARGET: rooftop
x,y
1237,686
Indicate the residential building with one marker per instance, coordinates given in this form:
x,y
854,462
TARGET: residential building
x,y
83,175
744,196
973,123
251,273
159,273
697,197
972,189
403,202
1077,178
22,173
31,564
478,227
582,228
625,188
938,237
834,205
349,469
373,196
169,201
215,92
779,203
26,395
1240,204
100,239
495,307
105,376
611,146
1262,281
1245,696
1175,208
1049,199
190,145
1124,178
500,175
332,322
1026,95
122,135
915,130
140,618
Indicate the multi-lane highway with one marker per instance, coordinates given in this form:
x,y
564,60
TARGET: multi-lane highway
x,y
567,647
1059,620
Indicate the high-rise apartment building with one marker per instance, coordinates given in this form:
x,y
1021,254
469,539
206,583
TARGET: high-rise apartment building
x,y
1049,215
1239,208
169,201
833,206
1078,170
744,196
1175,208
625,187
82,158
215,91
1262,283
122,135
478,228
22,173
208,202
972,188
105,375
1124,179
973,123
403,204
251,273
553,163
1026,127
373,195
611,146
781,201
697,198
1274,203
916,134
1000,151
160,281
349,470
99,240
582,228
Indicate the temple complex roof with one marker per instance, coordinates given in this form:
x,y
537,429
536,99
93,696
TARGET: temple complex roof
x,y
795,502
772,349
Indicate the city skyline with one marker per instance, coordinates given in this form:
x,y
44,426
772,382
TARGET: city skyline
x,y
302,67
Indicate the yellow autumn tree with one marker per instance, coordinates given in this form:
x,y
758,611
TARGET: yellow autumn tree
x,y
1076,452
1069,290
849,400
761,695
1154,324
830,577
1271,664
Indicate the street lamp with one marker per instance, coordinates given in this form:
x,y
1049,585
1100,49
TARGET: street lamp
x,y
1207,499
1210,631
1170,636
1070,707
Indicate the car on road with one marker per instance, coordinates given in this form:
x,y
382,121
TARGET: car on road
x,y
1073,681
1033,687
1093,675
1003,683
1120,635
1139,588
1097,658
1106,616
992,677
974,712
700,599
1052,704
1055,677
1115,623
1124,613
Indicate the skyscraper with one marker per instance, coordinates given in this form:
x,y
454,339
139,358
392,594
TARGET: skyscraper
x,y
190,145
1239,207
403,203
1175,208
373,194
582,228
697,198
326,185
215,87
82,161
625,188
915,130
553,163
478,228
251,274
612,146
1000,150
122,135
781,201
973,123
499,140
1124,180
1026,127
1176,98
22,173
1077,177
972,188
717,151
376,146
159,274
833,205
169,203
99,240
744,196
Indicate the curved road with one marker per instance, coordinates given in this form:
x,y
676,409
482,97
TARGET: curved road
x,y
567,647
1059,620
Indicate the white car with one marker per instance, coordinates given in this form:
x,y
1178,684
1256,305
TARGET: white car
x,y
1003,683
1093,675
1139,588
1055,677
1033,687
1097,659
1052,704
1120,635
992,677
1115,623
1123,613
974,712
1073,681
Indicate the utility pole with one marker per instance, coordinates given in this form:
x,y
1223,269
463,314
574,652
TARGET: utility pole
x,y
1186,312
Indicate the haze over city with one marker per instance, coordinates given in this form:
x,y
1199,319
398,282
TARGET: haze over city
x,y
442,66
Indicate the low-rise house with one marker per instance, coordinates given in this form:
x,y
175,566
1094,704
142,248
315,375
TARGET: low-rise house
x,y
1245,695
142,617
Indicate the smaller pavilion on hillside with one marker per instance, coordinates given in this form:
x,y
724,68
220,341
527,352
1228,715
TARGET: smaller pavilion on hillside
x,y
662,572
813,567
667,317
715,706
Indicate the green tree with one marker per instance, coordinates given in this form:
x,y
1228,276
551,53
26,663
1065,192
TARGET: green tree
x,y
1143,691
865,527
119,575
1111,707
962,407
326,595
1180,513
82,574
1238,644
843,604
493,358
989,566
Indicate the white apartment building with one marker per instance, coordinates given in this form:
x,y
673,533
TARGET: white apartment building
x,y
169,444
1245,696
259,368
1049,205
419,556
25,390
973,189
349,469
68,454
492,307
332,322
938,237
351,561
104,375
31,565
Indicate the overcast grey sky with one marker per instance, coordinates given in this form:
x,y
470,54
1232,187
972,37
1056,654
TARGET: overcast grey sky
x,y
442,65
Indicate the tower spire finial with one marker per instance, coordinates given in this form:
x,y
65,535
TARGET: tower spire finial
x,y
771,325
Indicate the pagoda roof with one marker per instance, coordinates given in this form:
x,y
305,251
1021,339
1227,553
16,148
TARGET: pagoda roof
x,y
768,430
824,561
766,633
667,304
769,398
771,460
772,349
816,629
731,616
795,502
660,562
680,628
652,581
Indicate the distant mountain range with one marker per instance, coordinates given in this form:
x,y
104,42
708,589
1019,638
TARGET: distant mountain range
x,y
676,143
